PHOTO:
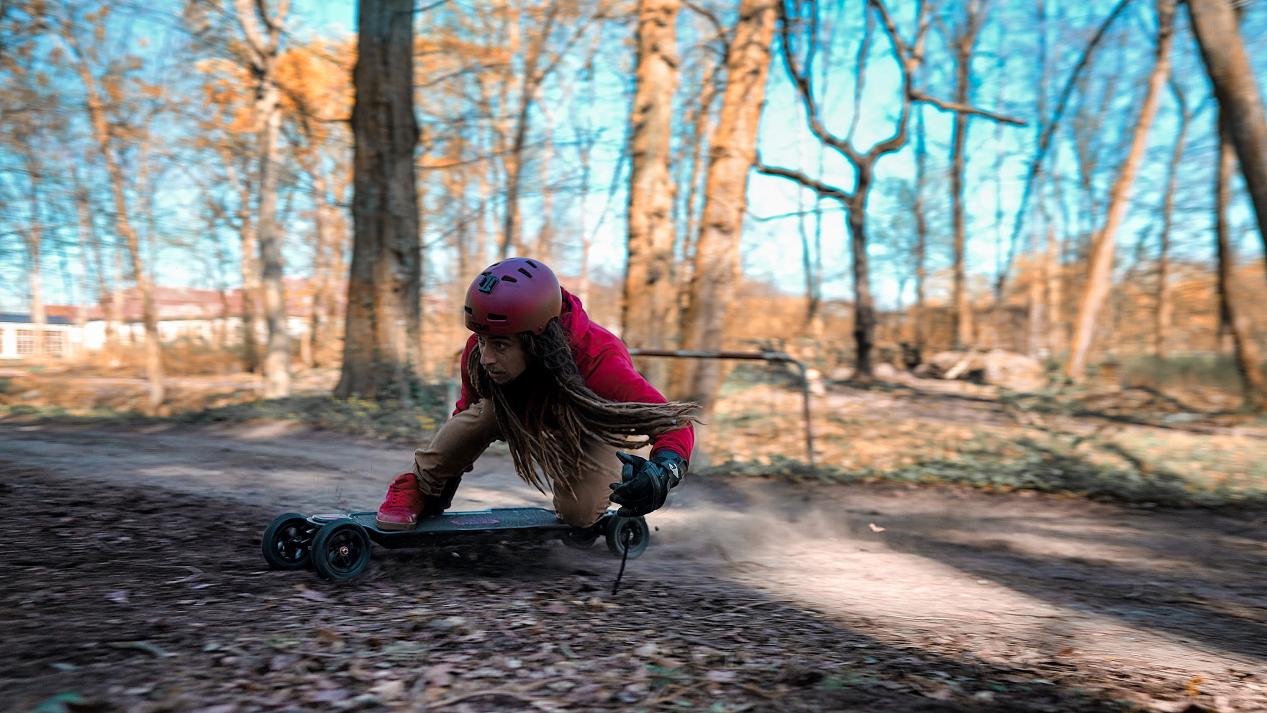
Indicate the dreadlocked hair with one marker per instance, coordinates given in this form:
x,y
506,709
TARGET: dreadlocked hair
x,y
547,435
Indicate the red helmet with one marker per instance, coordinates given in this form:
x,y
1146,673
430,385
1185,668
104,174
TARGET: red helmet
x,y
515,295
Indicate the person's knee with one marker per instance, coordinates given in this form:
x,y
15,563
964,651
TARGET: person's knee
x,y
579,514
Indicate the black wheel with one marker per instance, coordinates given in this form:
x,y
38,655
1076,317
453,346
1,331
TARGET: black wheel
x,y
287,542
341,550
628,532
580,539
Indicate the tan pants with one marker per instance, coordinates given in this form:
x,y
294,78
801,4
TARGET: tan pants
x,y
464,437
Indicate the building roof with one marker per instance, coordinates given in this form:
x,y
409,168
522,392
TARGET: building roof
x,y
19,318
177,303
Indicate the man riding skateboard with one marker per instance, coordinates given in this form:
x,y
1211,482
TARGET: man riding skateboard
x,y
563,393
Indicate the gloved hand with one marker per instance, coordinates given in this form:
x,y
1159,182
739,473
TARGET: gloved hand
x,y
645,484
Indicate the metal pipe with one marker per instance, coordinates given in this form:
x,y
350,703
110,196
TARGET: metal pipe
x,y
750,356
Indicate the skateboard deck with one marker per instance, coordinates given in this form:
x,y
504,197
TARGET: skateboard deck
x,y
472,525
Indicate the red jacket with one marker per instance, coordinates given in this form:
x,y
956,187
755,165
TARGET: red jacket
x,y
606,367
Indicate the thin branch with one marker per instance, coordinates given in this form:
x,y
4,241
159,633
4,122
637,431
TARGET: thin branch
x,y
919,96
1044,141
813,184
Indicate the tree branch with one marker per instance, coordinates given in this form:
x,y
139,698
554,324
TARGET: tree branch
x,y
805,181
919,96
800,79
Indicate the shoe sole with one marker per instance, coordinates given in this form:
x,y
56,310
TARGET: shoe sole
x,y
395,526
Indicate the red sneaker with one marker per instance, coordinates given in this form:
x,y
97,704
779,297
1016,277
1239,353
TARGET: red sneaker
x,y
403,504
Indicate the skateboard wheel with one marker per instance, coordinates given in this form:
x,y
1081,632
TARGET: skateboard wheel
x,y
630,530
580,539
341,550
287,542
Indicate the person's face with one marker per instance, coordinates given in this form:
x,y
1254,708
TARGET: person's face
x,y
502,357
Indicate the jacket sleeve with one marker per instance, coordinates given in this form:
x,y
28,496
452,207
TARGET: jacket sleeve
x,y
614,378
468,395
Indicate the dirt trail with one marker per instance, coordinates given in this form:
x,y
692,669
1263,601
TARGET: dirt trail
x,y
755,594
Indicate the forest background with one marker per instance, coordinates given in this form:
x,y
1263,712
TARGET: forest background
x,y
861,186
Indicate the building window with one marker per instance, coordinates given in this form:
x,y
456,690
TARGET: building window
x,y
54,342
26,342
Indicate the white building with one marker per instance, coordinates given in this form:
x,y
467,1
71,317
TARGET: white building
x,y
208,316
62,337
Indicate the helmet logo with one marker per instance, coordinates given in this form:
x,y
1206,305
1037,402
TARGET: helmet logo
x,y
487,283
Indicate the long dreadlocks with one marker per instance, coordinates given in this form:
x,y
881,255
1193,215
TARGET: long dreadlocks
x,y
555,415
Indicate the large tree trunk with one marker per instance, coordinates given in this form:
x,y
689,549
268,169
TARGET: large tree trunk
x,y
383,320
123,227
1162,316
731,154
647,309
277,357
1231,306
1215,24
1100,274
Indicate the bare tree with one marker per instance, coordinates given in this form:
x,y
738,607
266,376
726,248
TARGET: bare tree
x,y
1215,24
647,307
732,150
104,137
263,40
1100,272
383,331
908,57
1048,131
1231,304
1162,315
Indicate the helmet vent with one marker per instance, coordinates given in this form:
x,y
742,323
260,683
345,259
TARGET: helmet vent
x,y
493,317
469,310
525,273
508,278
531,264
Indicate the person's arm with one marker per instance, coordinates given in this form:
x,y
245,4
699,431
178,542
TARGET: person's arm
x,y
468,395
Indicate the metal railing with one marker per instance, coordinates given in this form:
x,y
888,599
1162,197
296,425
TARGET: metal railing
x,y
768,356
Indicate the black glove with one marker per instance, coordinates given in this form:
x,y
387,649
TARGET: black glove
x,y
645,483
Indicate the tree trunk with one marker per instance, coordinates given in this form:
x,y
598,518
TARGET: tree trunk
x,y
383,320
34,247
322,269
123,227
1162,316
965,41
864,318
1216,26
1248,360
1100,274
277,355
699,140
647,309
90,243
731,154
921,236
250,268
34,239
